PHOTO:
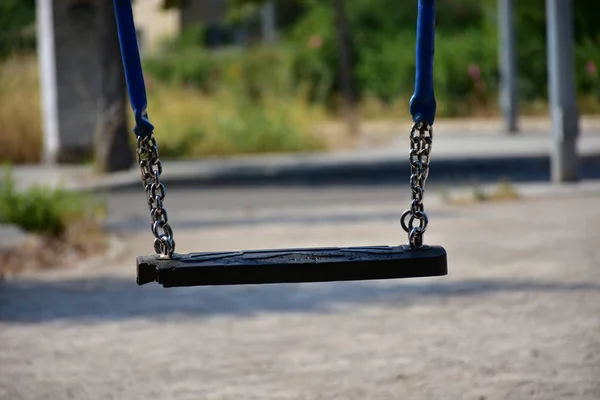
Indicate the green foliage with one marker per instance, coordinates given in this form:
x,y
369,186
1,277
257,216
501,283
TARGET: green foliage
x,y
228,101
587,63
41,209
169,4
531,48
383,37
270,127
184,60
191,124
15,17
16,14
466,71
382,40
388,72
250,74
316,57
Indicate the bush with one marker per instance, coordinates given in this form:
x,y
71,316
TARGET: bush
x,y
228,101
17,27
185,61
43,210
388,73
466,72
191,124
383,37
259,73
189,121
188,66
315,53
382,44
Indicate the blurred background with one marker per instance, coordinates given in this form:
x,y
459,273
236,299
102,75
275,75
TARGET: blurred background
x,y
243,76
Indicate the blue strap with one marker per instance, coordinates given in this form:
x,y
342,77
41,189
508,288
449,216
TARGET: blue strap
x,y
422,103
133,67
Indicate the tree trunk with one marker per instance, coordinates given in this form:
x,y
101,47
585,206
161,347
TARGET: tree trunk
x,y
112,146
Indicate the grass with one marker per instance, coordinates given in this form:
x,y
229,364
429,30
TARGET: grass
x,y
20,112
62,223
190,124
44,210
503,191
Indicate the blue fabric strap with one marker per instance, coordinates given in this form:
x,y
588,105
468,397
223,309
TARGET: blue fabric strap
x,y
133,67
422,103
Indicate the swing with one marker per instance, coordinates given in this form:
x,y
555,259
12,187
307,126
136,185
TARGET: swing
x,y
170,269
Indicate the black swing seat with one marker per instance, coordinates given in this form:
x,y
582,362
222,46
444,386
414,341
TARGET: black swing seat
x,y
292,266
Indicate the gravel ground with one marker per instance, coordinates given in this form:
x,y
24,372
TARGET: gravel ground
x,y
517,318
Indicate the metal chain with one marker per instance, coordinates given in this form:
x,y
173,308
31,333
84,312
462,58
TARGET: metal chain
x,y
151,169
421,138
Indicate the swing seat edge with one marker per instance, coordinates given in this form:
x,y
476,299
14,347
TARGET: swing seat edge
x,y
292,266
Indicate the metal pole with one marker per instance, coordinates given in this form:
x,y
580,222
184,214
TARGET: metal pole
x,y
563,103
508,65
268,23
47,65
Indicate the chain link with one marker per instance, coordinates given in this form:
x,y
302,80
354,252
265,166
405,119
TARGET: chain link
x,y
421,138
151,169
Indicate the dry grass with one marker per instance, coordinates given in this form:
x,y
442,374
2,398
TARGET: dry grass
x,y
20,111
82,239
504,191
191,124
188,124
373,109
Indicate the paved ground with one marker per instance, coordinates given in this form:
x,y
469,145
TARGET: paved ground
x,y
201,207
517,318
461,148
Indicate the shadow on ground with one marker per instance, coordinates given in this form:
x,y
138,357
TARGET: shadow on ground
x,y
386,172
112,299
483,170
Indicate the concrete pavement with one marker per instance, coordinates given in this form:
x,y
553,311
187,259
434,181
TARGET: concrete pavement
x,y
201,208
517,317
456,155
